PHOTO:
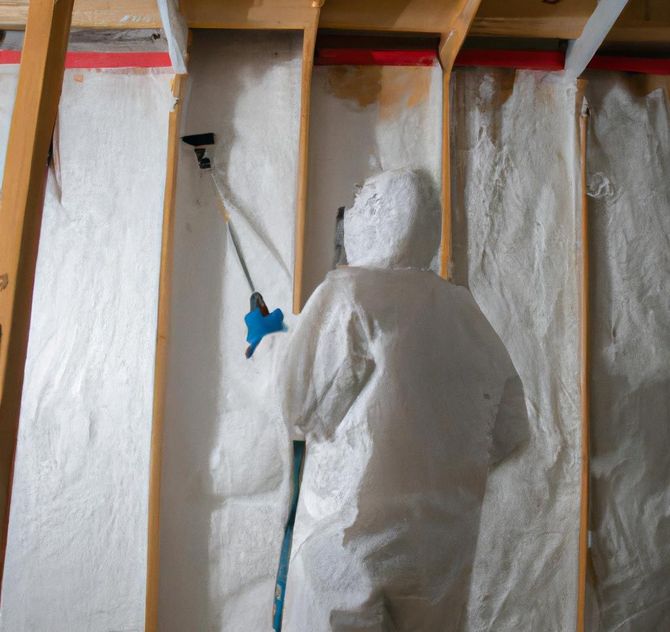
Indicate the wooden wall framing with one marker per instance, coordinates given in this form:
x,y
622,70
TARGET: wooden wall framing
x,y
47,26
23,188
161,359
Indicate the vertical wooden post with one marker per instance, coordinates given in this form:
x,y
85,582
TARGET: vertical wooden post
x,y
24,183
585,370
450,43
445,179
161,360
309,40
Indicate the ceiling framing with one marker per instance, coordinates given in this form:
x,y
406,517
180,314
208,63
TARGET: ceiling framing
x,y
642,21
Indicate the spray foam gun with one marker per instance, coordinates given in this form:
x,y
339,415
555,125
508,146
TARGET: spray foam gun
x,y
259,321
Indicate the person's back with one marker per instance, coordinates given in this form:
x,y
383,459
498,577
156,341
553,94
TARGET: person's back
x,y
404,394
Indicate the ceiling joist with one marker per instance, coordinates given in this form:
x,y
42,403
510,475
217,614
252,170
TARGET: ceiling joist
x,y
641,21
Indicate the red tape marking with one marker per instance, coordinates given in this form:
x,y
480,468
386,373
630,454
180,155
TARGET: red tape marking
x,y
101,60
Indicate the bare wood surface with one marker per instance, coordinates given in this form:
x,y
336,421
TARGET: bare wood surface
x,y
451,40
309,40
642,21
585,369
92,14
24,183
161,359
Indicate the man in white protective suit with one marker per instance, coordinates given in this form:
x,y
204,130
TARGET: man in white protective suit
x,y
405,396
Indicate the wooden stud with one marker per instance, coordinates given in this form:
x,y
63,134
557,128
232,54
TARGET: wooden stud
x,y
585,369
450,43
161,359
309,41
24,183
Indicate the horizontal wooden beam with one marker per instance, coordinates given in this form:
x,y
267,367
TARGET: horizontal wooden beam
x,y
91,14
242,14
642,21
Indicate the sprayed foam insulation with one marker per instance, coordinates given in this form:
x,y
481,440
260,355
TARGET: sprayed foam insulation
x,y
76,554
365,119
77,535
225,485
514,158
629,207
225,456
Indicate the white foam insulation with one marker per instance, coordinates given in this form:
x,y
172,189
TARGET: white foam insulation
x,y
515,157
629,189
365,119
77,540
76,554
225,457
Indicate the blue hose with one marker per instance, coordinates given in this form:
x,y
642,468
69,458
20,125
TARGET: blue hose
x,y
282,573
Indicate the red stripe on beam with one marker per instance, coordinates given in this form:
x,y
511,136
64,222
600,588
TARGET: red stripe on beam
x,y
642,65
101,60
365,57
531,60
10,56
526,60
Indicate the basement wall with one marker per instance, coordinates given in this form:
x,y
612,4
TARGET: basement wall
x,y
76,555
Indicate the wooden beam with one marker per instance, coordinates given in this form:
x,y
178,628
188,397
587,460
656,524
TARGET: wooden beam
x,y
532,18
642,21
645,21
450,43
581,50
33,119
309,40
161,359
584,376
91,14
242,14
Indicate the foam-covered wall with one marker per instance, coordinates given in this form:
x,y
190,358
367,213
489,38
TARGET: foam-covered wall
x,y
77,540
225,459
515,157
629,189
76,554
365,119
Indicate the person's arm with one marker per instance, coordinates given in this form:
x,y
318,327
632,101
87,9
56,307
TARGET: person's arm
x,y
327,363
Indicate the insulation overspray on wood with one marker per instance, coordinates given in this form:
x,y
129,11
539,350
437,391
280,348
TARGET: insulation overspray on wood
x,y
76,557
365,119
629,189
516,154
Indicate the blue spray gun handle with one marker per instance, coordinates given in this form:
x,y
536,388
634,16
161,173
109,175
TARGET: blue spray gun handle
x,y
260,322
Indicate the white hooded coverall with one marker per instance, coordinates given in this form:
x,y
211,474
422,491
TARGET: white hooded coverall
x,y
405,395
